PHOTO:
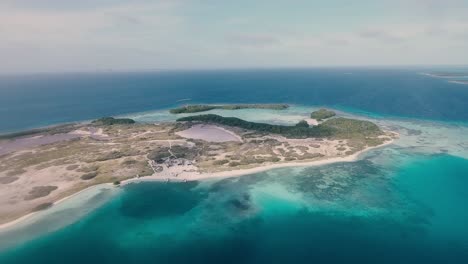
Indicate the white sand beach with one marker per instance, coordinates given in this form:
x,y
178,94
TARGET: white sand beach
x,y
187,173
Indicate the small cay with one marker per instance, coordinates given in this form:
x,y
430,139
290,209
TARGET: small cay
x,y
203,108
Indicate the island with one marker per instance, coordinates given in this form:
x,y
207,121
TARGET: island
x,y
453,74
456,77
44,166
203,108
460,81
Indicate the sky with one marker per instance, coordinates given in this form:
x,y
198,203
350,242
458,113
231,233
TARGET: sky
x,y
101,35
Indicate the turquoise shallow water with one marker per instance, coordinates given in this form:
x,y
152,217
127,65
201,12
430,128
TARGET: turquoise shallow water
x,y
439,183
411,212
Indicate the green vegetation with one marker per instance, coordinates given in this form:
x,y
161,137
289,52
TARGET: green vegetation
x,y
302,123
129,162
287,131
192,109
42,206
352,128
337,127
220,162
15,172
203,108
108,121
8,179
89,176
110,156
39,191
322,114
65,128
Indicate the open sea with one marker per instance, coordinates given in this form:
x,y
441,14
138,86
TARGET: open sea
x,y
403,203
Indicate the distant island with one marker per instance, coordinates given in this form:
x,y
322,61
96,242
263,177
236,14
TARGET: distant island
x,y
460,81
447,74
203,108
457,77
66,159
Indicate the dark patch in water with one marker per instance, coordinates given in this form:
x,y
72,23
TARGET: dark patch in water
x,y
151,200
306,237
413,132
243,203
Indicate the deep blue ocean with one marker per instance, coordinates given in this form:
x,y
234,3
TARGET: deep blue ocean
x,y
30,101
405,203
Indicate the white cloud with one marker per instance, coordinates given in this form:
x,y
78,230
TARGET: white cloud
x,y
252,40
65,39
50,35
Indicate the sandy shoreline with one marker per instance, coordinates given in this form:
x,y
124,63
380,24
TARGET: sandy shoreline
x,y
196,176
242,172
29,215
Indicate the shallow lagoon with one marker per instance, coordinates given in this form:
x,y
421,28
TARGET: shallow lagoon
x,y
343,212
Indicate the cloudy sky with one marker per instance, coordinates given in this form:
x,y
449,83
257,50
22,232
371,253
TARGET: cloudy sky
x,y
90,35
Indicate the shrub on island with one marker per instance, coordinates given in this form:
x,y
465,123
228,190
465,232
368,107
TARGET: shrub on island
x,y
287,131
89,175
191,109
322,114
352,128
337,127
302,123
108,121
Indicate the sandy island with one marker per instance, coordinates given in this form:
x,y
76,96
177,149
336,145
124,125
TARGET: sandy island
x,y
42,171
196,176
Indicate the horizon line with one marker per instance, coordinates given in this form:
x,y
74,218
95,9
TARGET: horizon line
x,y
149,70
